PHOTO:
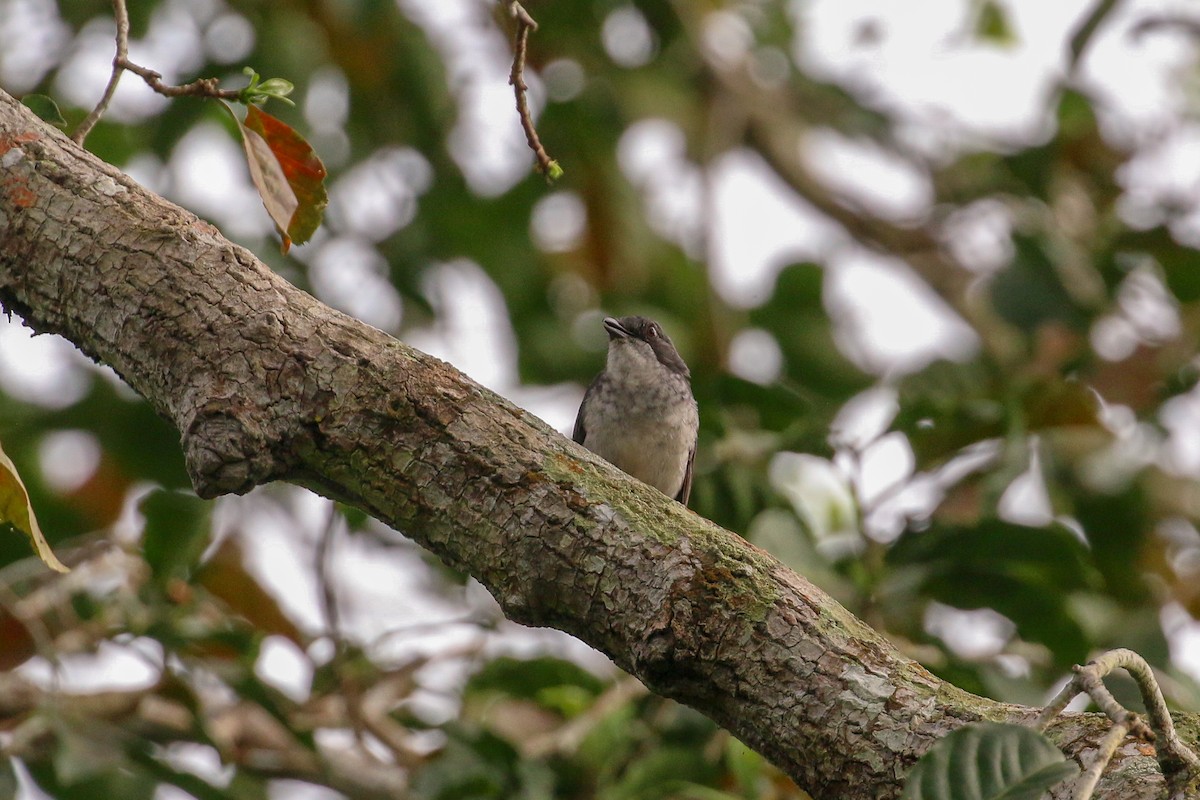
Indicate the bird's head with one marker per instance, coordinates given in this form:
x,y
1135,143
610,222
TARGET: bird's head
x,y
641,341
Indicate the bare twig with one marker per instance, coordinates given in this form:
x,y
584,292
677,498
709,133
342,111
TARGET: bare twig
x,y
1166,739
568,738
205,87
1085,784
1160,22
329,605
1173,755
89,122
252,739
525,24
1082,36
349,686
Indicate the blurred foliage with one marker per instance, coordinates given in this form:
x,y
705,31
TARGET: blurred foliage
x,y
1045,473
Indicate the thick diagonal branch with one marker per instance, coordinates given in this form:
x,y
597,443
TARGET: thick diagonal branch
x,y
265,383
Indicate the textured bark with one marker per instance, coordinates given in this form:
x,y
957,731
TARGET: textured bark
x,y
265,383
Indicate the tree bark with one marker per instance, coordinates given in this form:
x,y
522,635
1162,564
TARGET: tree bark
x,y
265,383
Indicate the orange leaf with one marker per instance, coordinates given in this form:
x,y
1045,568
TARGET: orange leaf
x,y
226,577
16,510
289,176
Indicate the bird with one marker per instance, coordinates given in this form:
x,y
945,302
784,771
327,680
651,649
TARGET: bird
x,y
639,413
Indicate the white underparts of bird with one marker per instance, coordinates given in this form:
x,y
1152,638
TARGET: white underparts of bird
x,y
639,413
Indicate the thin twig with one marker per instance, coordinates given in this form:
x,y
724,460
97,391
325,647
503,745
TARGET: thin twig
x,y
516,78
1083,35
89,122
1056,706
1085,785
1173,755
567,739
333,626
1090,681
1167,740
204,87
1152,24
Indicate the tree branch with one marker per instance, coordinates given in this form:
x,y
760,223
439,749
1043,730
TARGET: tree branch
x,y
266,383
204,87
516,78
246,734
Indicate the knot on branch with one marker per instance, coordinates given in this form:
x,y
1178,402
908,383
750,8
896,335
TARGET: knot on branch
x,y
226,453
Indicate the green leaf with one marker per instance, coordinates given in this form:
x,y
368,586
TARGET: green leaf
x,y
746,766
553,171
176,533
993,26
8,778
1022,572
472,766
533,679
16,510
694,791
1118,525
611,740
1029,292
257,93
84,753
989,761
125,781
657,773
795,315
1052,554
46,108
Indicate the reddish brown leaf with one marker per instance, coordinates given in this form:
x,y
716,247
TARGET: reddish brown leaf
x,y
226,577
289,176
16,510
16,643
1058,403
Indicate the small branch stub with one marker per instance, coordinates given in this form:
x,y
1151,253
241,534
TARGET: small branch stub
x,y
1174,757
256,92
516,78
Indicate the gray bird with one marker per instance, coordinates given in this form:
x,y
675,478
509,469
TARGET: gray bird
x,y
639,413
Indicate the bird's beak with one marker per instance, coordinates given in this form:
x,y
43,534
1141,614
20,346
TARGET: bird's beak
x,y
615,329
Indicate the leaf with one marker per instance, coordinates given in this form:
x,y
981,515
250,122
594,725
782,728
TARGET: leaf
x,y
289,176
993,25
225,576
659,773
176,533
1022,572
271,89
694,791
45,108
1030,292
948,406
16,510
8,779
530,679
795,316
988,761
473,764
87,752
745,765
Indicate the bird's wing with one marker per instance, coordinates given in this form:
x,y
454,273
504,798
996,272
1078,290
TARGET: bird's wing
x,y
685,491
580,433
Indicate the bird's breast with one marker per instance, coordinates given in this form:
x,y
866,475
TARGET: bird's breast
x,y
647,431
